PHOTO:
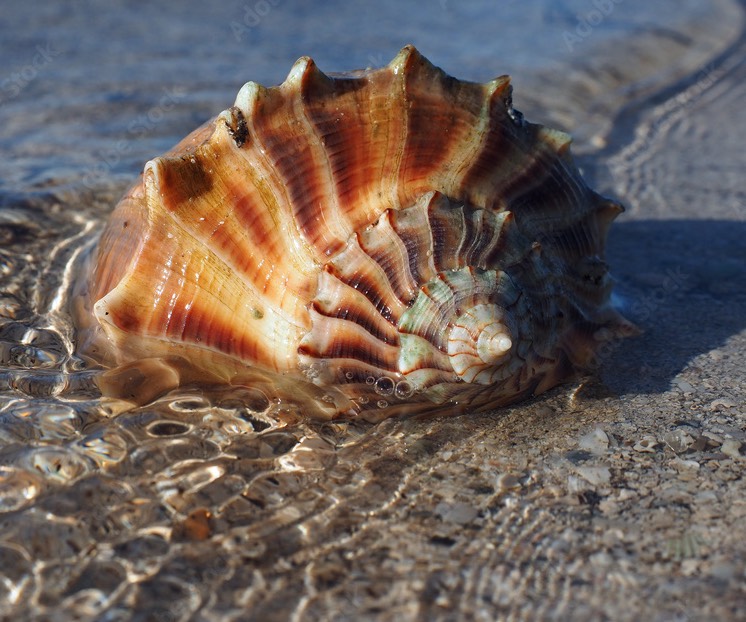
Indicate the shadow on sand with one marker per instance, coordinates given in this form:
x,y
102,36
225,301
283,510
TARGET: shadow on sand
x,y
684,283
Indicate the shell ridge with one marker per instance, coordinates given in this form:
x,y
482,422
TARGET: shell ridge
x,y
472,146
333,338
382,243
412,225
335,298
306,78
273,195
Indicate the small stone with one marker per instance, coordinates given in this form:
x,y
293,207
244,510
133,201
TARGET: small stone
x,y
721,402
683,385
596,476
609,507
460,513
731,448
597,442
680,464
196,526
508,481
724,571
679,440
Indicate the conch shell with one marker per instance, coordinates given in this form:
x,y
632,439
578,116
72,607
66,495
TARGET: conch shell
x,y
398,238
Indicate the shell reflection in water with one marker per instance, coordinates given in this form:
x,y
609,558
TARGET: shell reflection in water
x,y
383,241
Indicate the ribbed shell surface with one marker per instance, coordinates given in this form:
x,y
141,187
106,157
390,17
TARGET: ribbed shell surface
x,y
397,235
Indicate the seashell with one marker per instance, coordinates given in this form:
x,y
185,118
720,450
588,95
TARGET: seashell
x,y
391,240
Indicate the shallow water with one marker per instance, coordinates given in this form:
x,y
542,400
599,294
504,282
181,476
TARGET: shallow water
x,y
620,498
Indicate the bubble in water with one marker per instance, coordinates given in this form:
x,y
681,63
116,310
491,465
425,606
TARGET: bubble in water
x,y
349,375
404,389
362,400
382,404
384,386
370,380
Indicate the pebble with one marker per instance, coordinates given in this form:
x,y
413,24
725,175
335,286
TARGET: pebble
x,y
731,448
685,464
459,513
721,402
724,571
679,440
714,436
596,476
683,385
596,441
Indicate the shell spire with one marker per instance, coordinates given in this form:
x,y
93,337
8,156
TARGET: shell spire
x,y
394,238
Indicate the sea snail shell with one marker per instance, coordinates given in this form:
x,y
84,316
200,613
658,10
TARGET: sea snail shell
x,y
397,237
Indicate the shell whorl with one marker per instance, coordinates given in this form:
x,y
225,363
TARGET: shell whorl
x,y
479,342
392,232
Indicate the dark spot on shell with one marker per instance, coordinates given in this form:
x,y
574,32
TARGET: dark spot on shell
x,y
240,132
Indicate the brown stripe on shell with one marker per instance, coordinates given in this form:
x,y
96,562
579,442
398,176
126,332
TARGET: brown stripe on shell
x,y
503,150
231,221
339,339
413,227
441,115
541,202
355,268
337,299
177,308
383,245
447,226
302,172
356,122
